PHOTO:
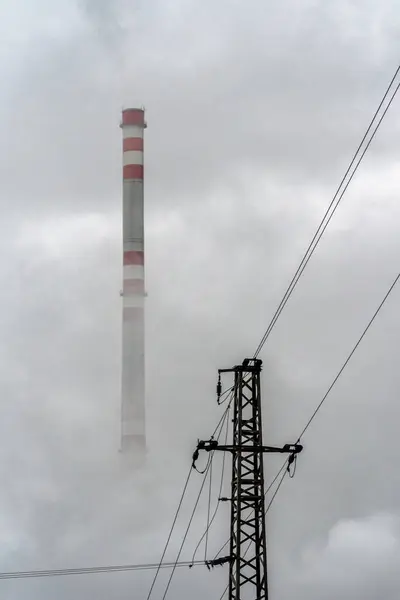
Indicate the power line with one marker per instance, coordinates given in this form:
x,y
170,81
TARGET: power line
x,y
219,492
222,400
221,425
222,419
285,472
117,568
346,362
170,532
187,529
94,570
326,219
208,513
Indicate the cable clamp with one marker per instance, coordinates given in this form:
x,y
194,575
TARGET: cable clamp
x,y
207,445
217,562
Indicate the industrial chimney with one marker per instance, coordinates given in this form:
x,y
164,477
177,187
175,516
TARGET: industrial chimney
x,y
133,432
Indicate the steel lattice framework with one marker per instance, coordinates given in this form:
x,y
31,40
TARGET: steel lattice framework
x,y
248,548
248,567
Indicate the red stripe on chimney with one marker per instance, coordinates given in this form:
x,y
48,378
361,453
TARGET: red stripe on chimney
x,y
133,172
133,257
133,143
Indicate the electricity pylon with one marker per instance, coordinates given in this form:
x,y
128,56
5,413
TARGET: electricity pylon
x,y
248,548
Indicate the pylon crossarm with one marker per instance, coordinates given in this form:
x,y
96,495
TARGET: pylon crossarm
x,y
209,445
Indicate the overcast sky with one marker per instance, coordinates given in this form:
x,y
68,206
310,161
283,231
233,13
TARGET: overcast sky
x,y
254,110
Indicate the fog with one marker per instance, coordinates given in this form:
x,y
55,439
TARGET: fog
x,y
254,111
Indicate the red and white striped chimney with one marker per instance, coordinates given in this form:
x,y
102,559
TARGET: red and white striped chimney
x,y
133,431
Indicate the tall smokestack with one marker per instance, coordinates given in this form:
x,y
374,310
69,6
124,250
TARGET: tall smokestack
x,y
133,433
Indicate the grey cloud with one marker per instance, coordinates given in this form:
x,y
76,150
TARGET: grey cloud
x,y
251,119
358,560
272,97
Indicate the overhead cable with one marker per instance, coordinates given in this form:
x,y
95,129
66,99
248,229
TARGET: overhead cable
x,y
94,570
170,532
208,513
220,426
206,532
332,206
187,529
349,357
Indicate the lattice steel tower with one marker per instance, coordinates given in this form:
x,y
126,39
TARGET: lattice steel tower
x,y
248,549
248,567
